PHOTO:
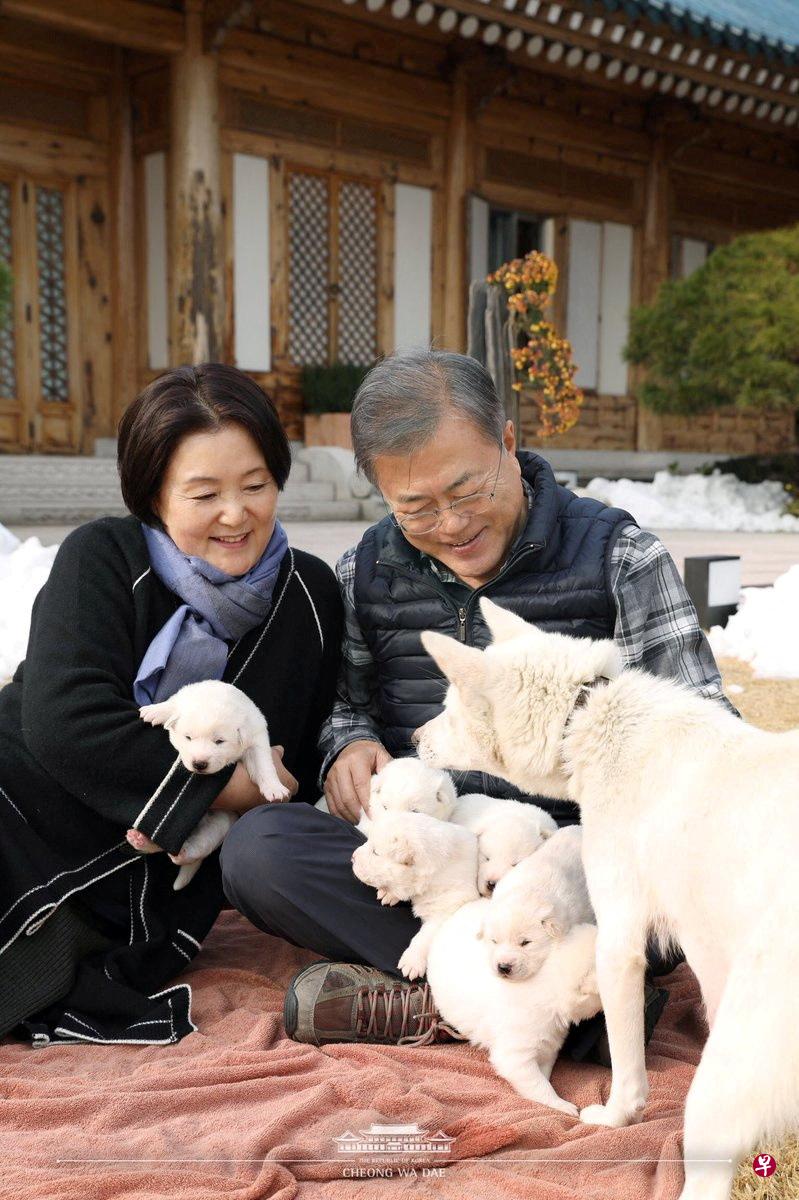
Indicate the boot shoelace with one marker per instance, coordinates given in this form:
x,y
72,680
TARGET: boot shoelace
x,y
372,1000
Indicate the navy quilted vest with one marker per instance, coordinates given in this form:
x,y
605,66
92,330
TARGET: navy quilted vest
x,y
557,577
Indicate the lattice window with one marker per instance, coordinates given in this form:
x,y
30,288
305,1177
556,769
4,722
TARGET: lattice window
x,y
357,342
309,256
333,305
53,356
8,366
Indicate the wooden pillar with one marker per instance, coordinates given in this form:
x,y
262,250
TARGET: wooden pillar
x,y
195,224
123,264
654,265
458,180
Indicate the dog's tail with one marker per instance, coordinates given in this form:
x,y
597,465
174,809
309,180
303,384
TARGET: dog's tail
x,y
745,1094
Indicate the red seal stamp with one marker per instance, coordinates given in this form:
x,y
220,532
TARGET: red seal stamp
x,y
764,1165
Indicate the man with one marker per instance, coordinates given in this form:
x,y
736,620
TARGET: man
x,y
468,516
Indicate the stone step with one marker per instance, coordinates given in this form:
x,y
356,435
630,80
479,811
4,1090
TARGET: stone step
x,y
37,489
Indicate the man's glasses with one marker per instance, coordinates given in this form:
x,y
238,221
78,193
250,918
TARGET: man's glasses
x,y
417,524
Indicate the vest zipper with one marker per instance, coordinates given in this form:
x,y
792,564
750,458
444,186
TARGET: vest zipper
x,y
478,592
462,612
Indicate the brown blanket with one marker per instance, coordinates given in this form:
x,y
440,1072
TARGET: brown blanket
x,y
238,1111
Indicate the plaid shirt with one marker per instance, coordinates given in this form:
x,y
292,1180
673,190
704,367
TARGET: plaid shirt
x,y
656,628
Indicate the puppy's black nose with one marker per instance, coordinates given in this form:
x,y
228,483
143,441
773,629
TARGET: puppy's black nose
x,y
491,884
199,764
504,968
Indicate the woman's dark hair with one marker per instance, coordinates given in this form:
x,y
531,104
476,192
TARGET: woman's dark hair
x,y
192,400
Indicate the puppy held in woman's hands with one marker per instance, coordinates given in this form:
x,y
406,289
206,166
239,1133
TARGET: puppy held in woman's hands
x,y
212,725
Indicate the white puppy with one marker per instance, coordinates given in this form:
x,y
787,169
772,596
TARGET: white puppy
x,y
524,1023
406,785
431,863
672,790
539,901
507,832
211,725
521,1024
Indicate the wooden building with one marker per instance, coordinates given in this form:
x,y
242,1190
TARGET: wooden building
x,y
279,182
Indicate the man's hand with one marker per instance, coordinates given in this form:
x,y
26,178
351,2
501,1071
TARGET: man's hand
x,y
349,780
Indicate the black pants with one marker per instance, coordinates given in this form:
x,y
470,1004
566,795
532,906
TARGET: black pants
x,y
287,868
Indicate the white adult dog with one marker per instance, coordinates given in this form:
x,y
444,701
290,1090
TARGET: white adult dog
x,y
521,1024
537,903
691,830
211,725
508,831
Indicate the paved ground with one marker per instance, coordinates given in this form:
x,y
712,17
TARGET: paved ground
x,y
764,556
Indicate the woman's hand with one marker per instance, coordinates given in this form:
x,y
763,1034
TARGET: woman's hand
x,y
238,795
349,780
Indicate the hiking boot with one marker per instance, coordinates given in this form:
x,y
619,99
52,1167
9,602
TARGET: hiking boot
x,y
588,1041
345,1002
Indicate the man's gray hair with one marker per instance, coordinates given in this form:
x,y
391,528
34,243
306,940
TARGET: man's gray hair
x,y
400,403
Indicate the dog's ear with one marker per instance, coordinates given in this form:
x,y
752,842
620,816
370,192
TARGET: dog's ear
x,y
164,714
552,926
462,665
503,625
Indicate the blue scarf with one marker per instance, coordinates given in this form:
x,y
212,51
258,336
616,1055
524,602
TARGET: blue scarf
x,y
218,608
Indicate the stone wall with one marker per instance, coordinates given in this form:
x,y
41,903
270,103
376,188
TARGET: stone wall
x,y
612,423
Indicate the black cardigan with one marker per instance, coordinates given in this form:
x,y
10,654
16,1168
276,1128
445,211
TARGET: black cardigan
x,y
78,767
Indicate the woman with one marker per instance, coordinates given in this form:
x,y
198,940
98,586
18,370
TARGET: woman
x,y
199,583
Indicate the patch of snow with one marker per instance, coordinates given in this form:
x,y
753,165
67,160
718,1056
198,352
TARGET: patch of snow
x,y
714,501
764,631
24,567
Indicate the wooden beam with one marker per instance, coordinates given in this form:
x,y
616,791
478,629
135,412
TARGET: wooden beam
x,y
322,69
458,181
38,151
195,218
123,23
123,240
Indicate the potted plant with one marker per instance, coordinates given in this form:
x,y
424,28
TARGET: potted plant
x,y
327,394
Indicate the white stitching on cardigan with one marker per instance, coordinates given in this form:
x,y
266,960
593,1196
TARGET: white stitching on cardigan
x,y
191,939
158,791
313,608
180,950
85,1024
272,615
84,1037
70,871
6,796
137,581
89,882
141,901
172,805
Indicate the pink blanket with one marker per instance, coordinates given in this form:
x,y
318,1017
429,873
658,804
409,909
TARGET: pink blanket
x,y
238,1111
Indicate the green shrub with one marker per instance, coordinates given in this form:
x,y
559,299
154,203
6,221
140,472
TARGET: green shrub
x,y
726,335
331,389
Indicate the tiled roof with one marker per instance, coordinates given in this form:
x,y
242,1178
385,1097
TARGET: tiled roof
x,y
769,27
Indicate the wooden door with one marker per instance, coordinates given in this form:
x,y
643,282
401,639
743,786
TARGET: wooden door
x,y
39,410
